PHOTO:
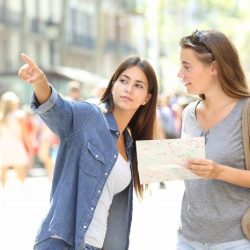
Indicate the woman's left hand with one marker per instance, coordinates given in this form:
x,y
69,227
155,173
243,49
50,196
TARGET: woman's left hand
x,y
203,168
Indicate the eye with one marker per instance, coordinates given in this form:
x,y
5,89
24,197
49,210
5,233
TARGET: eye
x,y
139,86
186,67
123,81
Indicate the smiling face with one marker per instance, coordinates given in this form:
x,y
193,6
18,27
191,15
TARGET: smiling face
x,y
196,76
130,90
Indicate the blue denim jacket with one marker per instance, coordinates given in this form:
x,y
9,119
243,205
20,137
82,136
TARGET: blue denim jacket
x,y
86,155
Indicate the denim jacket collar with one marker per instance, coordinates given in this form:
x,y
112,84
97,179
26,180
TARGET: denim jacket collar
x,y
111,123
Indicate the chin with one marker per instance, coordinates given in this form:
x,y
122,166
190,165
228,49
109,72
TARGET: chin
x,y
189,91
192,92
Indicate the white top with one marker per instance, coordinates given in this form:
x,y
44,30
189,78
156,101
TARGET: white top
x,y
12,150
118,180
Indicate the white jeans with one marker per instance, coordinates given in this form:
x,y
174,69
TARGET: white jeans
x,y
185,244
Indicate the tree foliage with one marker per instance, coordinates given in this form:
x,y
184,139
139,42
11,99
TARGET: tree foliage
x,y
182,17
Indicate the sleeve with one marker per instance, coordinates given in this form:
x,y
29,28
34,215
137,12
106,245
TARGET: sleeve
x,y
63,117
185,115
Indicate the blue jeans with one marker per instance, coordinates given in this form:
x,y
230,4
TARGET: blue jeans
x,y
58,244
185,244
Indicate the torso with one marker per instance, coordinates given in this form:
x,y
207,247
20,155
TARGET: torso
x,y
121,147
118,180
11,143
209,118
212,209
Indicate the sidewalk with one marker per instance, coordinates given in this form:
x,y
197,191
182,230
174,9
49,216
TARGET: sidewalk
x,y
155,220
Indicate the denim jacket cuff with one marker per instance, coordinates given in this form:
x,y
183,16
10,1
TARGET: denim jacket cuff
x,y
43,108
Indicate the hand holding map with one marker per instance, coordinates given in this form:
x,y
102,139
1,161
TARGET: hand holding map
x,y
161,160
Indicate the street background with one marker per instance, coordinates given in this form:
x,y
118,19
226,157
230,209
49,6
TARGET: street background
x,y
155,220
84,41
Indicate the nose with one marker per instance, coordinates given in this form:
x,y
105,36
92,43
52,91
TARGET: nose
x,y
128,88
180,74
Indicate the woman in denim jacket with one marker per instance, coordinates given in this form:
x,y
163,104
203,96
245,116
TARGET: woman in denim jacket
x,y
91,196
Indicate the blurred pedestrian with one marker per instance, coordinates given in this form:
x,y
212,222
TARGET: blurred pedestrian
x,y
48,147
31,142
98,92
13,134
166,117
213,206
96,166
74,91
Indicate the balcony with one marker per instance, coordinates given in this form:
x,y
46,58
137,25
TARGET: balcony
x,y
113,46
82,40
37,26
10,18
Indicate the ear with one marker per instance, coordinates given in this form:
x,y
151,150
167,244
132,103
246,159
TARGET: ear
x,y
214,68
148,97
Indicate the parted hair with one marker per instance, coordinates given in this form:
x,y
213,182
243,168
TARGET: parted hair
x,y
142,123
213,45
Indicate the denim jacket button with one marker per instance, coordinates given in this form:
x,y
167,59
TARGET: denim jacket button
x,y
99,191
115,156
84,226
106,173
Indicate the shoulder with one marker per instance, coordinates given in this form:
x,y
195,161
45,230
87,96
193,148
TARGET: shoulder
x,y
85,110
83,105
190,108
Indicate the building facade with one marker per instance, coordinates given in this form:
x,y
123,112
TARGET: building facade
x,y
90,34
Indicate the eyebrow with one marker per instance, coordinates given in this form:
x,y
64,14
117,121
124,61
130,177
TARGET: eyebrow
x,y
126,76
184,62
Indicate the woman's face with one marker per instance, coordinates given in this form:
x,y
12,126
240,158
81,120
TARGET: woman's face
x,y
196,76
130,90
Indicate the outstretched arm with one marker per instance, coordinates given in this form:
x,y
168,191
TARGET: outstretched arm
x,y
211,170
32,74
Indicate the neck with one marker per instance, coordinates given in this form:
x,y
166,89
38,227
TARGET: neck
x,y
122,119
217,100
217,104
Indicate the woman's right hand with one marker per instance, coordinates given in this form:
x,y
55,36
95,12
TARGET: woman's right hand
x,y
32,74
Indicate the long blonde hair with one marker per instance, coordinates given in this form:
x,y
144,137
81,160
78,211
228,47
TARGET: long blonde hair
x,y
8,102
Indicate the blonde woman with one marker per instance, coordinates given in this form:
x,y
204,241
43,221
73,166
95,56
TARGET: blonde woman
x,y
12,137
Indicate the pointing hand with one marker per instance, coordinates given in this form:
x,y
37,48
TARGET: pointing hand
x,y
30,72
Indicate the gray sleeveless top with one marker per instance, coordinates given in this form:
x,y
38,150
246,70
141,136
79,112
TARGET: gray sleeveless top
x,y
212,209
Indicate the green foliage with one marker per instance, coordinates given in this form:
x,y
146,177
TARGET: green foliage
x,y
179,18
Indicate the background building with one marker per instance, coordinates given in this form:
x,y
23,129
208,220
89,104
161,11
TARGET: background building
x,y
77,33
95,35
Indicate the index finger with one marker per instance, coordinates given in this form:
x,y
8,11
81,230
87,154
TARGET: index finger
x,y
29,61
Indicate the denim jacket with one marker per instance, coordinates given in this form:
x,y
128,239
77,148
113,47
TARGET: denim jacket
x,y
86,155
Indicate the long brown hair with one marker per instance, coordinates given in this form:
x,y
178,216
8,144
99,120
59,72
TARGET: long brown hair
x,y
213,45
142,123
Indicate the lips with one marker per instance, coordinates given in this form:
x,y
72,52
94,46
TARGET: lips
x,y
126,98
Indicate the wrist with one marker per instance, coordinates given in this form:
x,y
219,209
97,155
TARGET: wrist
x,y
219,171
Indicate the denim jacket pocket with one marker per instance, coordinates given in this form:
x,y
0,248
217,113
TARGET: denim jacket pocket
x,y
93,160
